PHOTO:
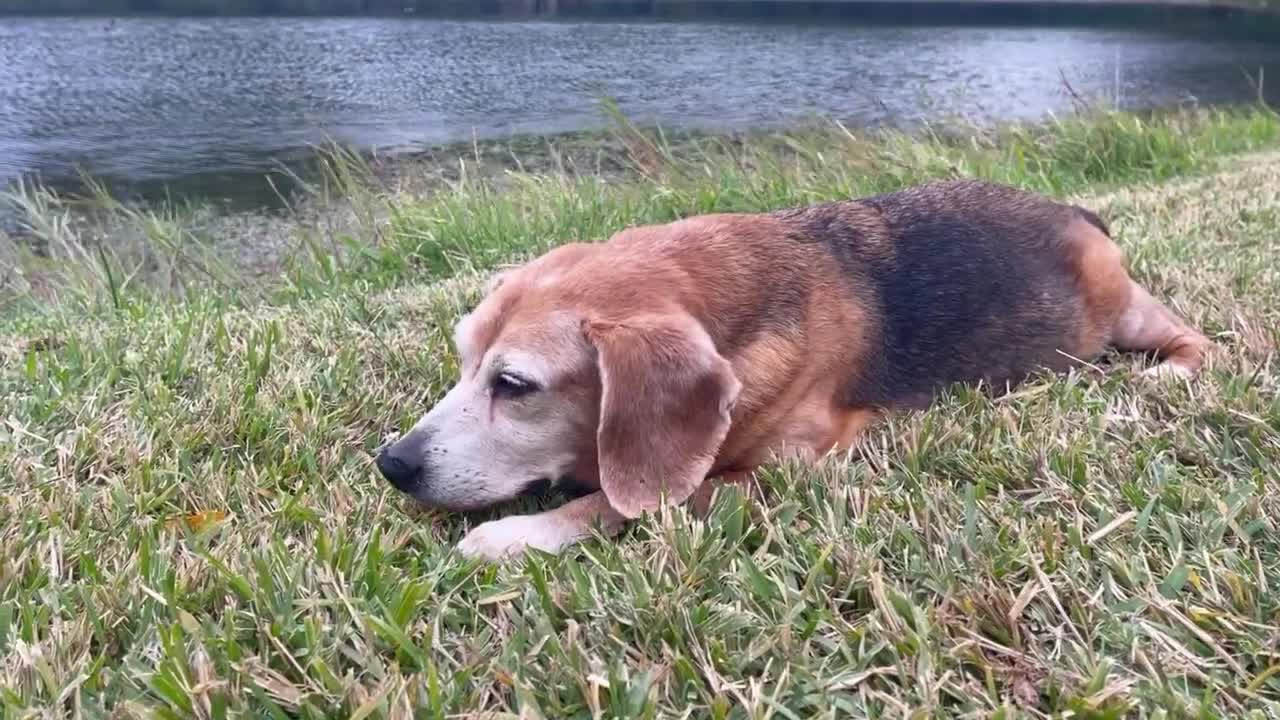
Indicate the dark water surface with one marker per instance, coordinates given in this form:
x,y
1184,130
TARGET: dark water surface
x,y
151,99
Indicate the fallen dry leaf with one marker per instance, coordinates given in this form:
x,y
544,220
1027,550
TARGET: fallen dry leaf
x,y
198,521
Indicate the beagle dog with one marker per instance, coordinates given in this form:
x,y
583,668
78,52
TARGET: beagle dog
x,y
646,368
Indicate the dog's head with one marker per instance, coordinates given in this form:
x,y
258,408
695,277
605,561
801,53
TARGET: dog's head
x,y
570,366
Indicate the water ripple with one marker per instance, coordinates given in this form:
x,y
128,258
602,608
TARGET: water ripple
x,y
143,99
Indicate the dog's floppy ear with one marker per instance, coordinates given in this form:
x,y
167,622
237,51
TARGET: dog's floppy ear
x,y
499,276
665,404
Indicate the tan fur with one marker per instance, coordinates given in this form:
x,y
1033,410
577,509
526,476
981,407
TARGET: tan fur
x,y
1122,313
1147,325
664,408
1104,283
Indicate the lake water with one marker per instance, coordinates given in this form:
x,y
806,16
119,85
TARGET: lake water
x,y
143,100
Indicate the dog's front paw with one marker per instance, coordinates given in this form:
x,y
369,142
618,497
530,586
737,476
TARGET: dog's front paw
x,y
511,536
1168,370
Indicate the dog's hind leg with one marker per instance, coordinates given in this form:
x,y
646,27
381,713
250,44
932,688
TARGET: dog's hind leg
x,y
1123,314
1147,325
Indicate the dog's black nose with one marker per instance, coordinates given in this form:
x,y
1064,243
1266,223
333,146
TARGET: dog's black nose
x,y
403,474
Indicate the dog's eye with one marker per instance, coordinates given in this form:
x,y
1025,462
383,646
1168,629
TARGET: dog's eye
x,y
506,384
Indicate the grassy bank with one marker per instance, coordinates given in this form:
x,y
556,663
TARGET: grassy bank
x,y
190,523
385,221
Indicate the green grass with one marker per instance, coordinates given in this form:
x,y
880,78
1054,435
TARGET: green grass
x,y
190,525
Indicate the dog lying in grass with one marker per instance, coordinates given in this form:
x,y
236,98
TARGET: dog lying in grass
x,y
647,368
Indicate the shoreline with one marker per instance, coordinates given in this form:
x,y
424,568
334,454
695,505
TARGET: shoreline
x,y
600,151
351,201
245,190
301,192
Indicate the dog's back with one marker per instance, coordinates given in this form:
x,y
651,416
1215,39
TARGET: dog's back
x,y
970,281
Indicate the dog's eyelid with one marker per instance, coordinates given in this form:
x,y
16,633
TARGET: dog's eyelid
x,y
516,376
503,371
506,383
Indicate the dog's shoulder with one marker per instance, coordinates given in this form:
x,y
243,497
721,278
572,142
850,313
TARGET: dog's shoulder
x,y
853,232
